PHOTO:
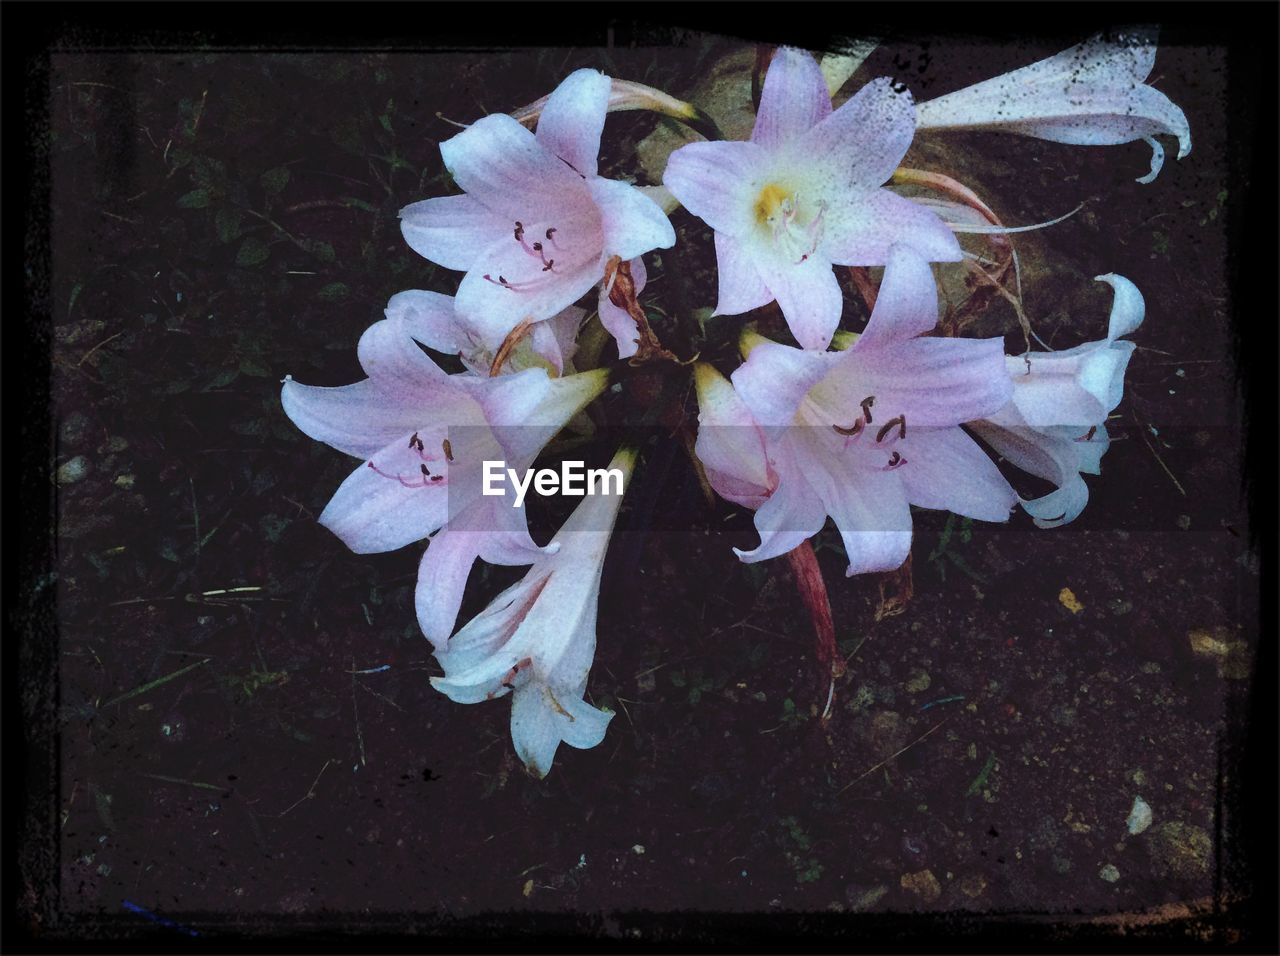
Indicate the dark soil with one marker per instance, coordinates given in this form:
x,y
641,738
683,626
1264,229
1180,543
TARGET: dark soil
x,y
220,220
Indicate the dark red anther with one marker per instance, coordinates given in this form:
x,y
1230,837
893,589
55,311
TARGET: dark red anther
x,y
900,421
866,407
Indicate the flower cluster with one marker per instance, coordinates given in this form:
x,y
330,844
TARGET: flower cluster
x,y
855,426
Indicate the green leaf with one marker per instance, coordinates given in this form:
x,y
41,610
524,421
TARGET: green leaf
x,y
333,291
227,222
196,199
254,368
253,252
321,250
225,377
274,180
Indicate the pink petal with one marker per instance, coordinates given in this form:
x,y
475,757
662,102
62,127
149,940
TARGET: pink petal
x,y
442,579
793,101
573,119
809,296
730,444
491,310
860,145
429,317
775,379
740,287
538,725
907,303
391,357
860,227
946,470
932,381
633,224
556,339
792,515
1054,458
373,511
451,230
718,182
499,163
359,419
870,509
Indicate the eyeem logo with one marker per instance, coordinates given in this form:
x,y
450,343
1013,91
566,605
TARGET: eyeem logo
x,y
573,479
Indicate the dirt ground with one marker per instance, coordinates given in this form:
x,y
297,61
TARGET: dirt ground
x,y
222,219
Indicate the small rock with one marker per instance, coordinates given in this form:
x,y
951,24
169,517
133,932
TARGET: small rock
x,y
973,885
124,481
73,470
638,849
919,682
923,884
1119,606
1139,816
1109,873
1184,522
1067,598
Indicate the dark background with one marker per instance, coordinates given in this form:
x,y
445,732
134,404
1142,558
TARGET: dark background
x,y
219,218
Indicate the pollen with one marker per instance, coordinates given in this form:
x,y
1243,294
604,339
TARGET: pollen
x,y
769,203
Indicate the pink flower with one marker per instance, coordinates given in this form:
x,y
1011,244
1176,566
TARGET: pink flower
x,y
423,436
537,639
535,225
860,435
1054,425
1094,94
804,193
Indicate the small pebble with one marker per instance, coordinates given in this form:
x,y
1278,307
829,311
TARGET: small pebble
x,y
1109,873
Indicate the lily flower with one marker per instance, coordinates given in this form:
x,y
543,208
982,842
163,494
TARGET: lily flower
x,y
861,434
806,192
433,320
537,640
423,436
1054,426
536,224
731,444
1094,94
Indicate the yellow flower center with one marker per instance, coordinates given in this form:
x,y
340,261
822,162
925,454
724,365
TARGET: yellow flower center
x,y
769,203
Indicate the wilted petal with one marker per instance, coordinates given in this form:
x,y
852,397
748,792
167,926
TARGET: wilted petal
x,y
633,224
451,230
617,320
794,99
861,226
718,182
573,119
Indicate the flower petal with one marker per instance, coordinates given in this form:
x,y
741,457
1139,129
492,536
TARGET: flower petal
x,y
573,119
718,182
809,296
870,509
946,470
541,717
499,163
863,142
776,378
730,444
740,287
633,224
794,99
860,228
451,230
1054,458
374,510
428,317
793,514
907,303
359,419
442,578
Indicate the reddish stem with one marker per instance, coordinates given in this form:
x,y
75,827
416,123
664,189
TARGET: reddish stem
x,y
813,591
